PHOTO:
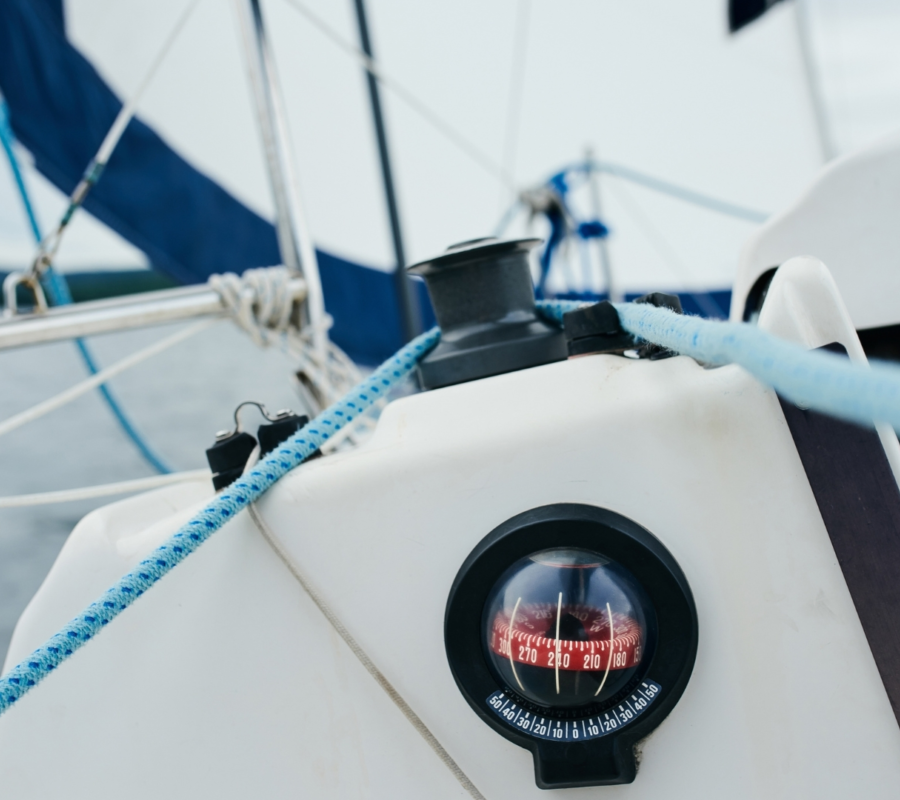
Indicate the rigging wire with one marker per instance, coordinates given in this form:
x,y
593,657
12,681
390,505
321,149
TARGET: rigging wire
x,y
58,293
407,298
704,300
672,189
475,153
500,172
103,490
516,92
649,182
41,268
48,247
83,387
7,139
504,172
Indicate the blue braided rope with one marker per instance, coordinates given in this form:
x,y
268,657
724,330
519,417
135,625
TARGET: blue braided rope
x,y
24,676
58,294
816,379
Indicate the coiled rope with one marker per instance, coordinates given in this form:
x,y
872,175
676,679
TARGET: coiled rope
x,y
259,301
261,304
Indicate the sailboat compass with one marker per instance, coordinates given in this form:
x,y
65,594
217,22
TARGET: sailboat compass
x,y
572,632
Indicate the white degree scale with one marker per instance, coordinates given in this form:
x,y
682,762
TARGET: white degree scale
x,y
227,680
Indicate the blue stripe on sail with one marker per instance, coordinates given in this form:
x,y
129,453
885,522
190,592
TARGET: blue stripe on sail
x,y
60,109
363,303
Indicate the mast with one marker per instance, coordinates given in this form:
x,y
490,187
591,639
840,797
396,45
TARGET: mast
x,y
294,243
406,299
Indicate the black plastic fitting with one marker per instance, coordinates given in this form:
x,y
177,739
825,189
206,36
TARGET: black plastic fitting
x,y
227,458
596,329
661,300
280,430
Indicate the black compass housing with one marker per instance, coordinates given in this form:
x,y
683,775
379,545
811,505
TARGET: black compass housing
x,y
575,760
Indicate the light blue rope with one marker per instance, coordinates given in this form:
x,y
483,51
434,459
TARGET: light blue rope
x,y
815,379
21,678
58,294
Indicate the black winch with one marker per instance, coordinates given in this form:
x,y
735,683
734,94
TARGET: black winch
x,y
483,299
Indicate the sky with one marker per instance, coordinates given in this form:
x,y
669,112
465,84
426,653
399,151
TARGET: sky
x,y
656,86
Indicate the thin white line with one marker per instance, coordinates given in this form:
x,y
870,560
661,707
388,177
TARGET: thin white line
x,y
514,100
70,394
438,123
609,660
363,657
50,244
105,490
664,249
558,617
512,663
127,111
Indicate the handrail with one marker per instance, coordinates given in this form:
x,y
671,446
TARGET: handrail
x,y
119,314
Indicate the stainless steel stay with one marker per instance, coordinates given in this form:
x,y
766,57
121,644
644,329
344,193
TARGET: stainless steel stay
x,y
294,242
119,314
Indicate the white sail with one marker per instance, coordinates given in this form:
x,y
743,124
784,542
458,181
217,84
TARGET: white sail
x,y
660,88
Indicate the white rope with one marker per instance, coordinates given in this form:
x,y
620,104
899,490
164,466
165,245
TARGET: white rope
x,y
103,490
261,304
85,386
260,301
414,719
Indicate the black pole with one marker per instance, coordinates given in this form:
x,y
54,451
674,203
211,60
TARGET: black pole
x,y
409,307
